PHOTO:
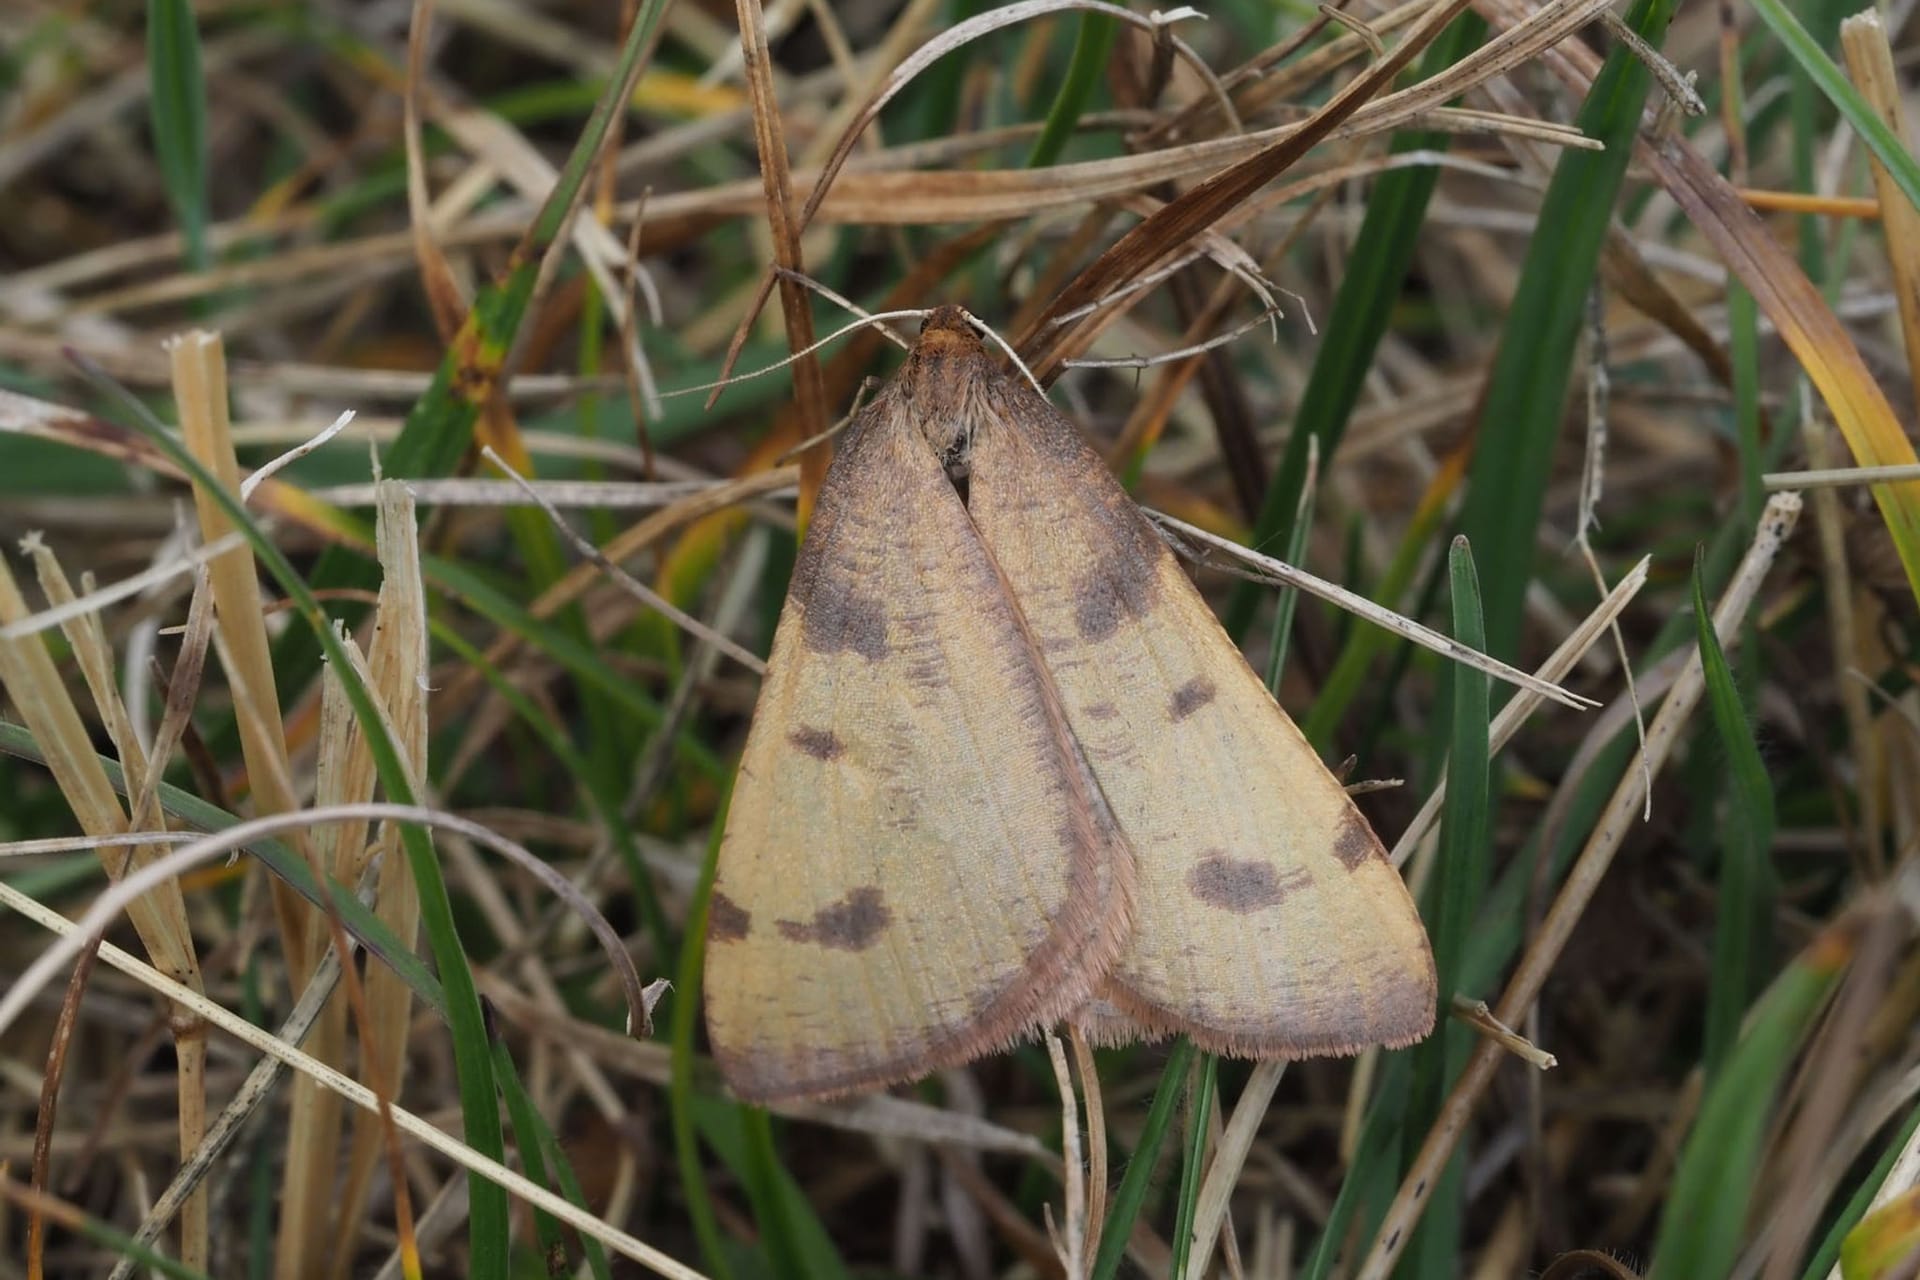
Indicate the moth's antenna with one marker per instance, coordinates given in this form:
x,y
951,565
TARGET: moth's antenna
x,y
626,581
1165,357
912,313
982,328
859,402
840,300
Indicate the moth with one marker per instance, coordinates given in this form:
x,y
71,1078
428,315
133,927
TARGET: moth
x,y
1007,770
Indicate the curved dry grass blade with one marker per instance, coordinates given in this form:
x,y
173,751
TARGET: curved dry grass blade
x,y
163,867
416,1127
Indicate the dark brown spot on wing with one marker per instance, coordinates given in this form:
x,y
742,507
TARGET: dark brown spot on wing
x,y
1102,711
839,617
727,920
1190,697
1356,842
1112,595
1240,885
821,744
852,924
835,613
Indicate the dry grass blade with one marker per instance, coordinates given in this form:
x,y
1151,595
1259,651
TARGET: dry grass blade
x,y
1476,1014
771,143
89,641
1776,523
448,304
1180,221
99,598
955,37
254,1092
613,495
1229,1158
1278,572
126,894
1070,1240
398,670
631,542
1840,477
200,386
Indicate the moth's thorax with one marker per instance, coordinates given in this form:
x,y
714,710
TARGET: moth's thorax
x,y
942,387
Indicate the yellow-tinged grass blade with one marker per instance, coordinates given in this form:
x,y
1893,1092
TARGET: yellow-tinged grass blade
x,y
198,361
1863,37
95,657
28,674
1811,331
1884,1240
199,365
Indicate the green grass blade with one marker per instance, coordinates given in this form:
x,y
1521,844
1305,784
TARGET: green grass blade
x,y
487,1220
178,104
759,1164
1460,891
1193,1161
1288,600
1124,1209
1092,43
1704,1225
1365,641
1833,83
1527,389
1375,1171
1464,814
680,1094
1376,271
1748,828
539,1154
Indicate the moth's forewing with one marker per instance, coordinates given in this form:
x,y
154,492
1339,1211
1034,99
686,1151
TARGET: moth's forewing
x,y
1269,920
916,869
